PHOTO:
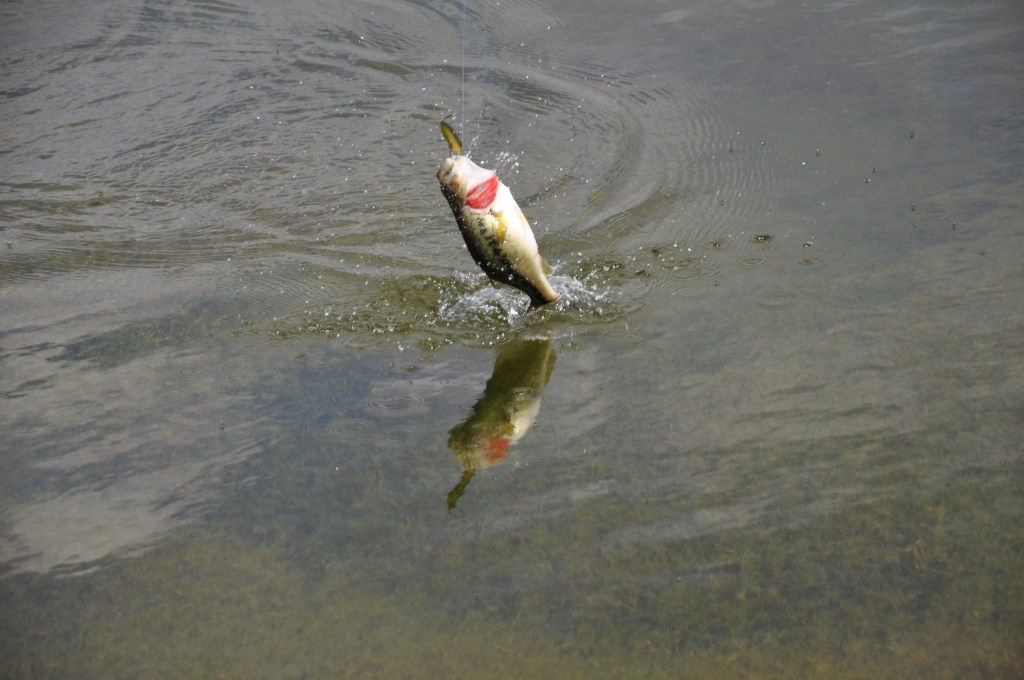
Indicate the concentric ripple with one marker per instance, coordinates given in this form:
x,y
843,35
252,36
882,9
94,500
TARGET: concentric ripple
x,y
303,186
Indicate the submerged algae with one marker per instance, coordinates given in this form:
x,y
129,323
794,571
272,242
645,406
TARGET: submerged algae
x,y
892,590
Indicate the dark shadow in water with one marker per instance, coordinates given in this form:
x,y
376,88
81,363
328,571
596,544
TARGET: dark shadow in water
x,y
505,413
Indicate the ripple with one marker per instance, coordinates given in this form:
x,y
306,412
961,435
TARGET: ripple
x,y
329,222
721,243
467,405
562,131
694,290
388,367
399,435
626,337
934,212
670,271
624,340
396,406
775,300
350,425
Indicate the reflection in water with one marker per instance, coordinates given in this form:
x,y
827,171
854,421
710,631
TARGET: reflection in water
x,y
505,413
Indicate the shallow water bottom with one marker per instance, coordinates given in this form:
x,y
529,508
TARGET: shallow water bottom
x,y
922,586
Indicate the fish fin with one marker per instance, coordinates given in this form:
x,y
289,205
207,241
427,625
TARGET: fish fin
x,y
535,304
544,266
455,494
500,226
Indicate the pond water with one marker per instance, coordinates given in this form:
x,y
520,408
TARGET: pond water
x,y
262,416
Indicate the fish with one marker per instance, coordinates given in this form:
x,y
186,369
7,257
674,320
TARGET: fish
x,y
508,409
495,229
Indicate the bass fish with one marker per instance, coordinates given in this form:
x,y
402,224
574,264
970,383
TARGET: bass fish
x,y
495,230
506,412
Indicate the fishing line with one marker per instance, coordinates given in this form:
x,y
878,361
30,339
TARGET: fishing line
x,y
462,96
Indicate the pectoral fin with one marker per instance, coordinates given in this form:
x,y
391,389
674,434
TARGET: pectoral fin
x,y
500,226
544,266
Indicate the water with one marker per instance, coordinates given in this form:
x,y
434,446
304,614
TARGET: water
x,y
262,416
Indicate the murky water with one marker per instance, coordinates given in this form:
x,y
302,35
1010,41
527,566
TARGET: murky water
x,y
263,417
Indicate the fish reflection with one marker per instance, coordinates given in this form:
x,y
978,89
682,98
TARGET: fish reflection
x,y
505,413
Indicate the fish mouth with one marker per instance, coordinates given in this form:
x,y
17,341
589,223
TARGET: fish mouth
x,y
446,173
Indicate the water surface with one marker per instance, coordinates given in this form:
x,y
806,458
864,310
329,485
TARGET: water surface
x,y
263,417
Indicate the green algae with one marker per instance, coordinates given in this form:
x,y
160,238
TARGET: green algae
x,y
926,585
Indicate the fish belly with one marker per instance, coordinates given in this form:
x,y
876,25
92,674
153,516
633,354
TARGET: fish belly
x,y
500,248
